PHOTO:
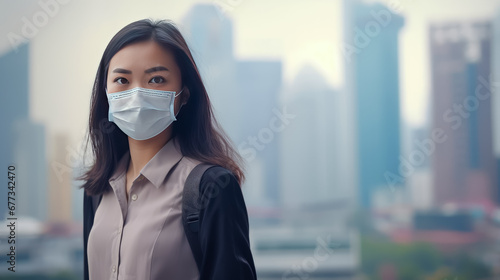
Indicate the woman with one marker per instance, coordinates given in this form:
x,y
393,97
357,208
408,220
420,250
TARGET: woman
x,y
150,125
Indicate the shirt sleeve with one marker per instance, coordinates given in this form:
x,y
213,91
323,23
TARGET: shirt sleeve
x,y
224,228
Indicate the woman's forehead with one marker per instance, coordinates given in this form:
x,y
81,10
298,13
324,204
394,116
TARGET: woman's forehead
x,y
143,56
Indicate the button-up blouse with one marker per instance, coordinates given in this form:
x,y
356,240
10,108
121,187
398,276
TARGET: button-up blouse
x,y
143,237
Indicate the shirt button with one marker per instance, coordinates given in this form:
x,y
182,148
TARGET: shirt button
x,y
119,230
140,178
134,197
114,268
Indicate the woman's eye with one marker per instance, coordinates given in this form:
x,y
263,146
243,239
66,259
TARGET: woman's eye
x,y
157,80
121,81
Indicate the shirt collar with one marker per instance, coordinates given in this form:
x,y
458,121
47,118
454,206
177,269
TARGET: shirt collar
x,y
157,168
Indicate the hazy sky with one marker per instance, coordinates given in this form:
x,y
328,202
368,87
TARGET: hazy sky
x,y
65,52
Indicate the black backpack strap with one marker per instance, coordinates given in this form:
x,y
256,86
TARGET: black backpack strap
x,y
90,204
191,209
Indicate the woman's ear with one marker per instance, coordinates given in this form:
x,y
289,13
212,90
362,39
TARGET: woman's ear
x,y
185,96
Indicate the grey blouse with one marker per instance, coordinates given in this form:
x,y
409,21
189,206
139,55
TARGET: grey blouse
x,y
143,238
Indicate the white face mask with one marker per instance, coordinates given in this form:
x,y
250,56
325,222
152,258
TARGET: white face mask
x,y
142,113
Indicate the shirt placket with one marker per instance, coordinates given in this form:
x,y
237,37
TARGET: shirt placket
x,y
116,250
124,206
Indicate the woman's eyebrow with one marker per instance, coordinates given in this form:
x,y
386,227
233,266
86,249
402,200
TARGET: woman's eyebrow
x,y
156,69
122,71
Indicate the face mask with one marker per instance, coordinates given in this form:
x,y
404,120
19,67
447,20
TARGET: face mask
x,y
142,113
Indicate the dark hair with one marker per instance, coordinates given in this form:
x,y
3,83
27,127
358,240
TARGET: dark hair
x,y
200,135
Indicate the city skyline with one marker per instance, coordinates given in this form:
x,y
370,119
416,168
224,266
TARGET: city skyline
x,y
345,153
325,46
286,90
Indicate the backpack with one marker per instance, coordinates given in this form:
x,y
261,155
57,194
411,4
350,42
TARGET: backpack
x,y
191,207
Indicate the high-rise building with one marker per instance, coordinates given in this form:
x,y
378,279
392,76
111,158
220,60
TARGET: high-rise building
x,y
60,188
463,164
22,141
258,136
347,133
244,95
29,157
310,159
495,98
371,52
14,105
209,34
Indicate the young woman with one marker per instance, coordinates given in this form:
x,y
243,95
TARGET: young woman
x,y
150,125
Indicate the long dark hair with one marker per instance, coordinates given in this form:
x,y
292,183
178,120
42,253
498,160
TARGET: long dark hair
x,y
200,135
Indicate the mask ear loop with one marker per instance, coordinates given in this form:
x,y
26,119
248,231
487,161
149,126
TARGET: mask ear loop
x,y
182,104
179,93
110,116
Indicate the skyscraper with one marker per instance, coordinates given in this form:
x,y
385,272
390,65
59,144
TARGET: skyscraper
x,y
371,53
14,105
310,159
30,159
464,164
22,140
258,85
60,188
209,34
495,99
243,93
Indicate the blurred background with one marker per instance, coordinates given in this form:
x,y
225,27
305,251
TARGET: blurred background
x,y
370,129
